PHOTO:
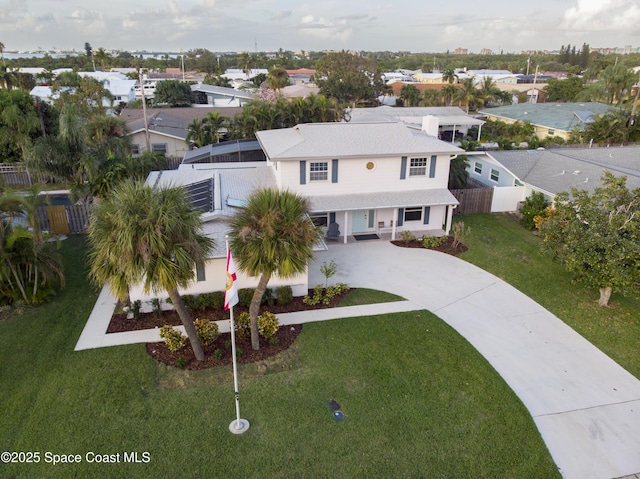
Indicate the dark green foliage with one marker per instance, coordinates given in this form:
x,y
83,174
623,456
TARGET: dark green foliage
x,y
532,207
244,296
213,300
191,302
173,92
284,294
268,297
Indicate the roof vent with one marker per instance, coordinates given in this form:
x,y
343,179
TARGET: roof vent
x,y
576,172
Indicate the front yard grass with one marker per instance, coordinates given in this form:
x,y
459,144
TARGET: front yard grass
x,y
419,402
499,244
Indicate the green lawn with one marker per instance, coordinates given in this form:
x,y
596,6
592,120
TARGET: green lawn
x,y
419,402
501,246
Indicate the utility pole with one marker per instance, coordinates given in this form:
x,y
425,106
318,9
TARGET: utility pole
x,y
144,111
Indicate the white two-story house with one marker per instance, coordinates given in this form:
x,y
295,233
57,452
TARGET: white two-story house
x,y
369,178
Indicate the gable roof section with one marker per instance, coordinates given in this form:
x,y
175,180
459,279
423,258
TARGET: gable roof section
x,y
558,116
340,140
561,169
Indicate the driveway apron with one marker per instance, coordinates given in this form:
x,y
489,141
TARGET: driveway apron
x,y
586,406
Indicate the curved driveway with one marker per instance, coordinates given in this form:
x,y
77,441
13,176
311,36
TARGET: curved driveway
x,y
586,407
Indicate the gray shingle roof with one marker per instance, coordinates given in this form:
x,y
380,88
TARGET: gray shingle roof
x,y
558,116
383,199
340,140
561,169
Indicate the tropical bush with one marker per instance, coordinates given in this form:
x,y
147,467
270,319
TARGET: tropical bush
x,y
459,233
284,294
432,241
243,325
533,206
245,295
207,331
173,338
268,324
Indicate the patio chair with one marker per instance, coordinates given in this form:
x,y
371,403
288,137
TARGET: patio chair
x,y
333,232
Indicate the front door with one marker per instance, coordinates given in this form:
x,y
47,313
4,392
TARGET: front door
x,y
361,221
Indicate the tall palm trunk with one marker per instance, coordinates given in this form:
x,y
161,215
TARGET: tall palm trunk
x,y
187,321
254,309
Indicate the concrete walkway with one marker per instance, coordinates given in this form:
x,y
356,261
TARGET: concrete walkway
x,y
586,407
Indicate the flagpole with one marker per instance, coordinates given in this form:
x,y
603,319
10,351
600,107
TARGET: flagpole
x,y
238,426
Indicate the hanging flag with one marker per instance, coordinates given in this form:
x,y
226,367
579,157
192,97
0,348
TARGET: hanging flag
x,y
231,288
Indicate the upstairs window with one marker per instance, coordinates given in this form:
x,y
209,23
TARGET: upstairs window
x,y
477,167
495,175
418,167
318,171
159,147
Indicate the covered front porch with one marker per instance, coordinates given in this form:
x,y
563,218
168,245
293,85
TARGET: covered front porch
x,y
384,215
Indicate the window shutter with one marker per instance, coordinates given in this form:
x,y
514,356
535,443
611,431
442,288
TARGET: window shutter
x,y
403,168
400,216
334,171
371,215
332,218
303,172
432,166
427,211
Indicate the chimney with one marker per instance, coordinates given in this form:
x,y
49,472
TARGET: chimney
x,y
430,125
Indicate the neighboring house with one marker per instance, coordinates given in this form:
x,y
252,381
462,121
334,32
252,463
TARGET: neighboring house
x,y
370,178
221,97
168,127
549,119
122,91
447,123
514,174
301,76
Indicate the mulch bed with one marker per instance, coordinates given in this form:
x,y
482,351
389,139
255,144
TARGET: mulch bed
x,y
445,247
185,358
218,353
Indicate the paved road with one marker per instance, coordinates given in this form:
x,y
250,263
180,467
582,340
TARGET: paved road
x,y
586,407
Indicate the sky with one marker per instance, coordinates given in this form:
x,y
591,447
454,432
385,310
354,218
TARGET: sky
x,y
316,25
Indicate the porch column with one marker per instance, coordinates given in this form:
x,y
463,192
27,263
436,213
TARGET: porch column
x,y
479,132
395,222
453,135
447,225
345,227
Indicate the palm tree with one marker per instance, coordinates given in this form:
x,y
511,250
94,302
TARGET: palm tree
x,y
7,78
449,76
2,52
148,235
467,93
196,133
458,173
277,78
212,124
449,92
410,95
431,97
489,92
272,235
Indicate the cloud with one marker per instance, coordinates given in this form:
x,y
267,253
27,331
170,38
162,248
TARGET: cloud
x,y
281,15
602,15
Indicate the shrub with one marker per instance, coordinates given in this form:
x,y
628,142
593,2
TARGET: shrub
x,y
213,300
245,295
407,237
533,206
284,294
180,362
173,338
268,324
316,298
459,233
243,325
432,241
136,306
274,341
268,297
207,331
191,302
156,304
217,354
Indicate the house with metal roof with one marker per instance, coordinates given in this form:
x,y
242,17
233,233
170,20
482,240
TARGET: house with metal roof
x,y
370,178
515,174
219,96
549,119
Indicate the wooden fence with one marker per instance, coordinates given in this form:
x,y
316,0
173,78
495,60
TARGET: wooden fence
x,y
17,174
473,200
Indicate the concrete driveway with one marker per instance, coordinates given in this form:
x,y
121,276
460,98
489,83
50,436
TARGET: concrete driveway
x,y
586,407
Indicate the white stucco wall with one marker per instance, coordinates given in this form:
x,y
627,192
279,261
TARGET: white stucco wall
x,y
215,280
354,176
